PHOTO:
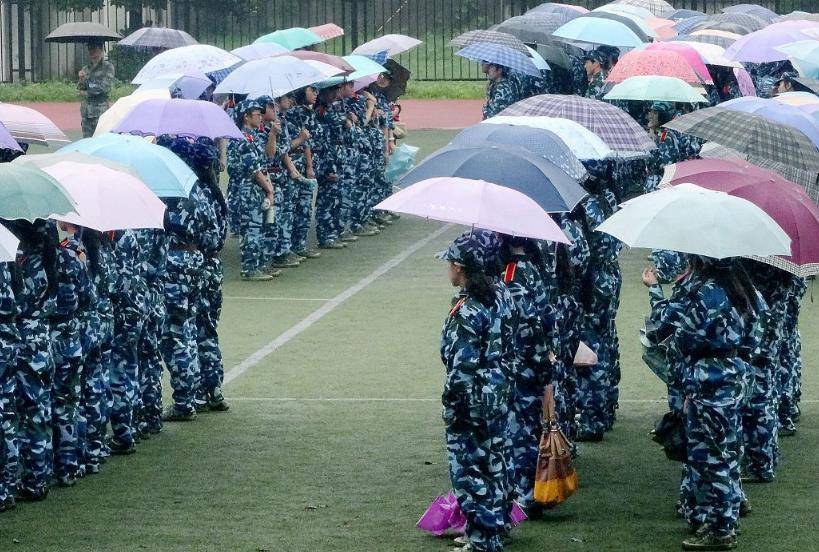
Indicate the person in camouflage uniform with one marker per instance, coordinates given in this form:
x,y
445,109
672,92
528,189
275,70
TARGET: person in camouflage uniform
x,y
766,76
785,83
75,296
594,64
790,361
382,143
245,165
672,146
10,340
331,119
35,285
305,117
475,397
130,310
99,322
360,110
501,90
96,82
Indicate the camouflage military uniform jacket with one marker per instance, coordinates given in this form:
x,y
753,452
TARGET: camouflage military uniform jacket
x,y
97,85
595,90
500,94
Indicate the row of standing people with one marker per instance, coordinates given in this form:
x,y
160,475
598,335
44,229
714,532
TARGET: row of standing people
x,y
88,323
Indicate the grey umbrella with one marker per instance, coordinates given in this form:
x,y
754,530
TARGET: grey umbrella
x,y
154,38
536,28
812,85
492,37
83,31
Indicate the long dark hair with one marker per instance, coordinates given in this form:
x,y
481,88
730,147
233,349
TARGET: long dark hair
x,y
479,286
732,278
38,237
91,240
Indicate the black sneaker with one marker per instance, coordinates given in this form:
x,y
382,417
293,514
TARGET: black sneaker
x,y
745,508
587,437
217,402
32,495
709,541
7,504
172,414
120,449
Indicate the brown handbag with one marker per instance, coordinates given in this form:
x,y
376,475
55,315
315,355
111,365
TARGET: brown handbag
x,y
556,479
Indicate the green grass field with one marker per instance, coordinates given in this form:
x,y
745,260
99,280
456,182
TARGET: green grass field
x,y
334,440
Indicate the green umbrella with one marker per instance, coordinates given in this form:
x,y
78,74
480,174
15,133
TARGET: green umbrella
x,y
655,88
29,193
292,39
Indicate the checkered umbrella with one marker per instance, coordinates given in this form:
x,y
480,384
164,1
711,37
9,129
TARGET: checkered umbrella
x,y
752,135
735,22
660,8
533,28
613,125
720,38
763,13
500,55
489,37
563,9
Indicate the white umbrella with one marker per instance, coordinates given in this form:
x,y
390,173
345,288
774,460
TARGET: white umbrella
x,y
275,76
8,245
691,219
712,54
201,57
190,84
29,125
393,44
259,50
584,143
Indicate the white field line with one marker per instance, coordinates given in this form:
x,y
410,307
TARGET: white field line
x,y
249,298
328,307
410,399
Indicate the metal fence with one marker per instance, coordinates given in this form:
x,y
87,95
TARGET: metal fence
x,y
25,57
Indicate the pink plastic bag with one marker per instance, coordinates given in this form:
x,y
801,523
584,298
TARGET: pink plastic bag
x,y
444,516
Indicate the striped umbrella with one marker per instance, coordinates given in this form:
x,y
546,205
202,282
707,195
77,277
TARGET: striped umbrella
x,y
490,37
739,23
30,126
499,55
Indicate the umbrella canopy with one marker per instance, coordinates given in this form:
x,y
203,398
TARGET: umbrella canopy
x,y
798,99
751,135
532,28
30,126
82,31
691,55
754,9
642,13
664,63
689,24
784,201
563,9
124,105
475,203
30,193
152,38
537,141
547,184
274,76
679,15
164,173
663,28
597,30
201,57
744,81
810,84
44,160
107,199
711,54
8,245
292,39
691,219
258,51
364,67
192,118
393,44
798,16
499,55
637,25
720,38
762,46
613,125
583,143
660,8
804,55
651,88
328,31
739,23
334,61
189,85
491,37
7,141
776,111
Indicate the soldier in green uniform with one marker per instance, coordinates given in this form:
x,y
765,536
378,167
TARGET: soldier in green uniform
x,y
96,81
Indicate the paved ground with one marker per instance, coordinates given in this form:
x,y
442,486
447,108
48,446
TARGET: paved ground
x,y
417,114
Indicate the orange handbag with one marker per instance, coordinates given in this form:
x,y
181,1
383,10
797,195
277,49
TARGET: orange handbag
x,y
556,479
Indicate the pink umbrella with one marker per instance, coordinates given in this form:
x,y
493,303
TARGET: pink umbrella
x,y
785,202
478,204
28,125
745,82
328,31
664,28
664,63
193,118
691,55
107,199
334,61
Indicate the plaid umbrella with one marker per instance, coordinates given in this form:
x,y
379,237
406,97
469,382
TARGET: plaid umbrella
x,y
761,12
679,15
489,37
689,24
151,38
613,125
660,8
563,9
720,38
500,55
751,135
740,23
533,28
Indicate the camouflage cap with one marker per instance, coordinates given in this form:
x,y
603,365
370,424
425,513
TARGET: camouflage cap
x,y
248,105
595,55
467,251
662,107
787,76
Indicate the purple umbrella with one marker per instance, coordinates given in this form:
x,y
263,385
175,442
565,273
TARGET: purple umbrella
x,y
7,141
779,112
478,204
192,118
760,46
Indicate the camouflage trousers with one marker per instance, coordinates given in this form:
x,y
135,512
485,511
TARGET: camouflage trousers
x,y
478,472
234,206
124,374
564,380
347,191
760,425
9,340
179,342
271,233
714,451
149,402
32,391
284,216
789,375
302,216
89,125
208,311
93,415
328,201
251,223
525,428
65,397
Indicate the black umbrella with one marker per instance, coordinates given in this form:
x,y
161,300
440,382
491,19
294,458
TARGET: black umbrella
x,y
83,31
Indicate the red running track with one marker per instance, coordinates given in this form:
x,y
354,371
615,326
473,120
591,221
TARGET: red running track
x,y
417,114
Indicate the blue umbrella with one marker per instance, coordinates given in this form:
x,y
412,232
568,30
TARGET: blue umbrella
x,y
597,30
500,55
164,173
540,142
552,189
688,24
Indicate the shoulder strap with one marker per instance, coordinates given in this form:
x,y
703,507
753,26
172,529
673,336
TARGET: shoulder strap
x,y
509,273
457,306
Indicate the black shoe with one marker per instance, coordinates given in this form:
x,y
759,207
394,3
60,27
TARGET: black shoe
x,y
745,508
217,402
120,449
8,504
32,495
787,431
586,437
